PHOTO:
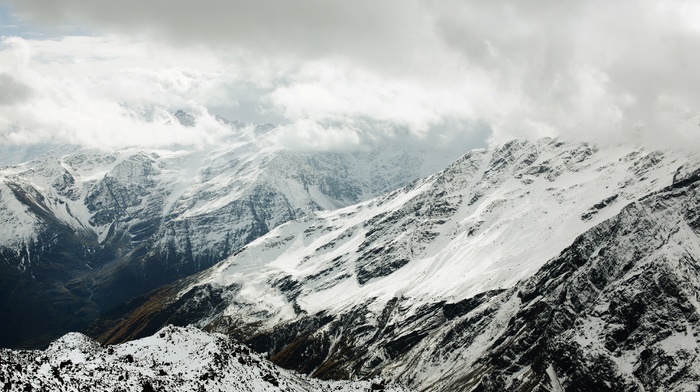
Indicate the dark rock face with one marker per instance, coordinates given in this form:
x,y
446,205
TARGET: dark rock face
x,y
185,119
599,206
385,249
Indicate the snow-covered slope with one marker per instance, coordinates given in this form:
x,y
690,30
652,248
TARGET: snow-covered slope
x,y
615,311
175,359
422,284
237,192
491,219
86,230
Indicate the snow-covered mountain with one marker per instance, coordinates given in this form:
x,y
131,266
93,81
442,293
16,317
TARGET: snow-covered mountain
x,y
85,230
532,266
175,359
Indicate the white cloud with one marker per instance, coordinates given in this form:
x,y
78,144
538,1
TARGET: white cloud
x,y
311,135
583,70
347,73
107,91
306,28
334,90
12,91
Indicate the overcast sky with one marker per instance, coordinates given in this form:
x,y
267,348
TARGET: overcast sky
x,y
341,74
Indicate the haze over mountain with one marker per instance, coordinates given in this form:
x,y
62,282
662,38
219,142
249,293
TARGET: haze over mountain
x,y
86,229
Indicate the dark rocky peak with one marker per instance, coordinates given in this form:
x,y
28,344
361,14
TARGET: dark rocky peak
x,y
185,119
686,173
546,157
511,155
461,171
85,161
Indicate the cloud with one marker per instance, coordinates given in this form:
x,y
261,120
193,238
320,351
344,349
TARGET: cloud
x,y
347,73
584,70
13,91
105,91
334,90
310,135
307,28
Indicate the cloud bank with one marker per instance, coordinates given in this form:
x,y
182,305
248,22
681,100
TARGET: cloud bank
x,y
339,74
103,91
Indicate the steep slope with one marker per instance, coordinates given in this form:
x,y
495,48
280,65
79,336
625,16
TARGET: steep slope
x,y
175,359
87,230
616,311
421,285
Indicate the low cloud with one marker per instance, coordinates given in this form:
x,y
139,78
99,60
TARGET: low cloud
x,y
338,74
303,29
605,71
104,91
13,91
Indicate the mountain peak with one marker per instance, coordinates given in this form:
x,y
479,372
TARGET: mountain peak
x,y
185,119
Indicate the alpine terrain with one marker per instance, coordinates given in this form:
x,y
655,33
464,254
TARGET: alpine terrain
x,y
350,196
85,230
532,266
176,359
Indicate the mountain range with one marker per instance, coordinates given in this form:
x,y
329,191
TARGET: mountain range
x,y
85,230
530,266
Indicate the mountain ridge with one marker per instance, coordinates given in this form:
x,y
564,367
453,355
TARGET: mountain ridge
x,y
374,289
88,230
174,359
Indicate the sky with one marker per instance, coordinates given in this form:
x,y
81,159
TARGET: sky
x,y
346,74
